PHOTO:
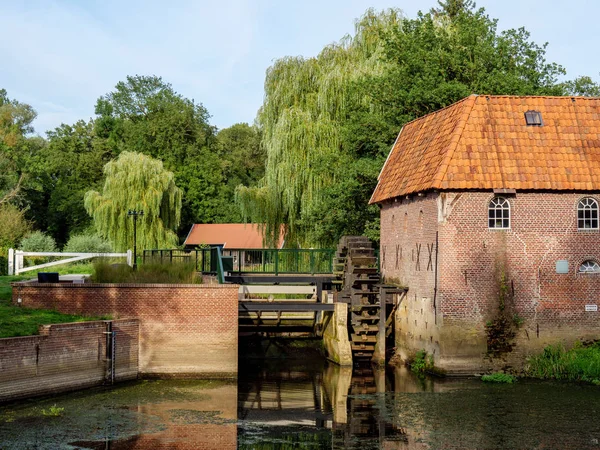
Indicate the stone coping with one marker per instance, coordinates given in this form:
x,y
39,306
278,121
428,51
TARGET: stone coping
x,y
122,285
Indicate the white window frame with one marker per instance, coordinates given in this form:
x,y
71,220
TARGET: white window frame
x,y
588,204
502,205
590,266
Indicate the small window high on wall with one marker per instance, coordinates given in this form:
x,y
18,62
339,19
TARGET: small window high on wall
x,y
589,266
499,213
587,214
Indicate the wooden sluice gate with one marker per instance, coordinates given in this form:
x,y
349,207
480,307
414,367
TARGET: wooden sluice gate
x,y
284,309
304,305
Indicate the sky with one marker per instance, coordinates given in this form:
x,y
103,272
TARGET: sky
x,y
61,55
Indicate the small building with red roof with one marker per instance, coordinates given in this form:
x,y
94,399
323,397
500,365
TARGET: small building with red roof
x,y
228,236
490,216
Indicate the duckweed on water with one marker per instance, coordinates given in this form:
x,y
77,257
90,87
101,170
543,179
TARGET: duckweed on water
x,y
99,414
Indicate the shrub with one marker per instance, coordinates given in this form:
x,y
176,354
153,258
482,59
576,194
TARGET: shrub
x,y
87,243
38,242
499,377
13,226
422,362
581,363
176,273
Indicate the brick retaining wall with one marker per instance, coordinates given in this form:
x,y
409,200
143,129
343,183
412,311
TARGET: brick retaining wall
x,y
184,329
66,357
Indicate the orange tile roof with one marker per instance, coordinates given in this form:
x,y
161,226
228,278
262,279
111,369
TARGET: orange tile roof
x,y
483,142
229,235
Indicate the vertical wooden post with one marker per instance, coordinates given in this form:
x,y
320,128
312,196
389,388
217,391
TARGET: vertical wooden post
x,y
11,261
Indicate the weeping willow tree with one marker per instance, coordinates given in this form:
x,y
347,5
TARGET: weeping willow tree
x,y
136,181
306,102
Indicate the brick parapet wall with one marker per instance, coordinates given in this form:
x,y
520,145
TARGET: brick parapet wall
x,y
66,357
471,259
184,329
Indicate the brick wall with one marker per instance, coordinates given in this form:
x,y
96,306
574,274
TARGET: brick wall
x,y
408,236
472,259
184,329
65,357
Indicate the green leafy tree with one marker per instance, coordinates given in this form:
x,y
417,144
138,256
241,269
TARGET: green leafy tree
x,y
144,114
72,164
13,227
306,103
136,181
242,160
17,150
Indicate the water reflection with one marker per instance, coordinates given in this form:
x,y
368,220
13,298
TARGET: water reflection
x,y
160,414
311,404
366,407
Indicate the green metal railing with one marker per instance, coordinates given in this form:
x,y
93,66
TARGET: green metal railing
x,y
244,260
281,261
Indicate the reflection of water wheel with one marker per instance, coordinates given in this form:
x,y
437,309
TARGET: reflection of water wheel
x,y
356,268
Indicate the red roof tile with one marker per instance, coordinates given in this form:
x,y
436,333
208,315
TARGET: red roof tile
x,y
229,235
483,142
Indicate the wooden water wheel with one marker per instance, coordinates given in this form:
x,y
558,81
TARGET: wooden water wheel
x,y
355,266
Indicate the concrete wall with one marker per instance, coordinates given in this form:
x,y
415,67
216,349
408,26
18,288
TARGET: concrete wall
x,y
335,336
472,261
184,329
66,357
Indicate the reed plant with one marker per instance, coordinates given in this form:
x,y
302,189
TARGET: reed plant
x,y
150,272
581,363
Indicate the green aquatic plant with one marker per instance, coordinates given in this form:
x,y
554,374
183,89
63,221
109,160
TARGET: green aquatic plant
x,y
499,377
53,411
422,362
580,363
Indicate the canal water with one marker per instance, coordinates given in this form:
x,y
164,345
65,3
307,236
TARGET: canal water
x,y
300,405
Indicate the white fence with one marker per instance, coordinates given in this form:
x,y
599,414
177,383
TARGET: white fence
x,y
15,259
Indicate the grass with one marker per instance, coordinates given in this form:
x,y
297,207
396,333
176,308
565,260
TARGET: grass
x,y
581,363
18,321
67,269
499,377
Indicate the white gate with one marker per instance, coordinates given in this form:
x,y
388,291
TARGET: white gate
x,y
15,259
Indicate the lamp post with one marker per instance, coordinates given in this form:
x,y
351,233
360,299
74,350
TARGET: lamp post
x,y
135,214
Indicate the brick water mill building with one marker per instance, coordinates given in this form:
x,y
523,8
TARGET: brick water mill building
x,y
489,215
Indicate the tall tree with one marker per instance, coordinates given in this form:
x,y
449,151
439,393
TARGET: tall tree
x,y
136,181
16,148
306,101
144,114
72,164
242,161
334,117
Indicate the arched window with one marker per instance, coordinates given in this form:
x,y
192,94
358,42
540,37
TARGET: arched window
x,y
587,214
499,213
589,266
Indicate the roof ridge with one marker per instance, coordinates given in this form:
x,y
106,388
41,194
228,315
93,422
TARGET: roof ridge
x,y
457,134
451,105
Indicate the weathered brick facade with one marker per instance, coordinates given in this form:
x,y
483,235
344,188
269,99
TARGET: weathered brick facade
x,y
66,357
184,329
472,259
